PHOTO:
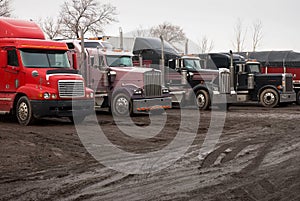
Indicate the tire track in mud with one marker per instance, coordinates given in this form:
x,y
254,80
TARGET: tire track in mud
x,y
60,188
239,168
255,189
245,186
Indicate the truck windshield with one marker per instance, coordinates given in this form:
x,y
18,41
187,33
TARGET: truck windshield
x,y
44,58
116,61
96,44
253,68
192,64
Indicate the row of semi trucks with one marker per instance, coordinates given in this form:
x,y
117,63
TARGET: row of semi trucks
x,y
72,78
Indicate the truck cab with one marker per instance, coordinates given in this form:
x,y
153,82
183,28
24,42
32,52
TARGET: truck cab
x,y
196,74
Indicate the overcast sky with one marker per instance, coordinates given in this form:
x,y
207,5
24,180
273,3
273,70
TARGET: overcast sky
x,y
213,18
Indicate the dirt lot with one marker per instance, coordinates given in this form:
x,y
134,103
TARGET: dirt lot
x,y
257,157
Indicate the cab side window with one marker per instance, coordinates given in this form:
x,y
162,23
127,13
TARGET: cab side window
x,y
12,58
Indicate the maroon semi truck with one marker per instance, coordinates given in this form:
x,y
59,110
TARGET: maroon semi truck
x,y
118,85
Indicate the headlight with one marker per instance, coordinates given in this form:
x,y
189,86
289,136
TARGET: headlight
x,y
46,95
165,90
90,95
138,91
53,96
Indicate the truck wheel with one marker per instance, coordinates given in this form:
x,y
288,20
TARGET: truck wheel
x,y
269,98
298,98
24,111
202,100
121,105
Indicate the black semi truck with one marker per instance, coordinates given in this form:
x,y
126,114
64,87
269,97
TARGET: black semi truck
x,y
241,80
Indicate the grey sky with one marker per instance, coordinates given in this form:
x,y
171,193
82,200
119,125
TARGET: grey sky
x,y
214,18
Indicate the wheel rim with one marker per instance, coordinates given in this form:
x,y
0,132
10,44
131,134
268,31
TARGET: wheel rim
x,y
269,98
122,105
23,111
201,100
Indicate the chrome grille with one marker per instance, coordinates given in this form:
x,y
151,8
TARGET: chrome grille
x,y
70,88
224,82
152,83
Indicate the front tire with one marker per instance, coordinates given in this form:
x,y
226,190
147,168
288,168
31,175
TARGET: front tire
x,y
269,98
121,105
202,100
24,111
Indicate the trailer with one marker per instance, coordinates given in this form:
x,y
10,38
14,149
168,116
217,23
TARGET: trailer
x,y
37,78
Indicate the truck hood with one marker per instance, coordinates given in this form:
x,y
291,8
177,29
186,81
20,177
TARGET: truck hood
x,y
133,76
206,74
48,76
272,79
131,69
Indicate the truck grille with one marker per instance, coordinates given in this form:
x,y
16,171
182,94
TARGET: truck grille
x,y
224,81
152,83
70,88
289,83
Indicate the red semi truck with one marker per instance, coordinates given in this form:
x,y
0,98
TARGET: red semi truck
x,y
37,79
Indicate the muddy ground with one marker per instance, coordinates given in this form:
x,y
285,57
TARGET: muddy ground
x,y
257,157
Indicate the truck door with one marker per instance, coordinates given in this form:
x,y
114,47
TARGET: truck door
x,y
174,72
10,75
98,79
10,80
242,81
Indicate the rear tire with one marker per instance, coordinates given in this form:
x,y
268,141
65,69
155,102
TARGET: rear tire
x,y
24,111
269,98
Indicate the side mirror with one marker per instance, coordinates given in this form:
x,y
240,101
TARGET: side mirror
x,y
3,58
172,63
111,76
74,61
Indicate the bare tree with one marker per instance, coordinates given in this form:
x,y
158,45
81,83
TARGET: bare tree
x,y
5,10
87,15
256,34
170,33
205,45
240,34
141,32
51,27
